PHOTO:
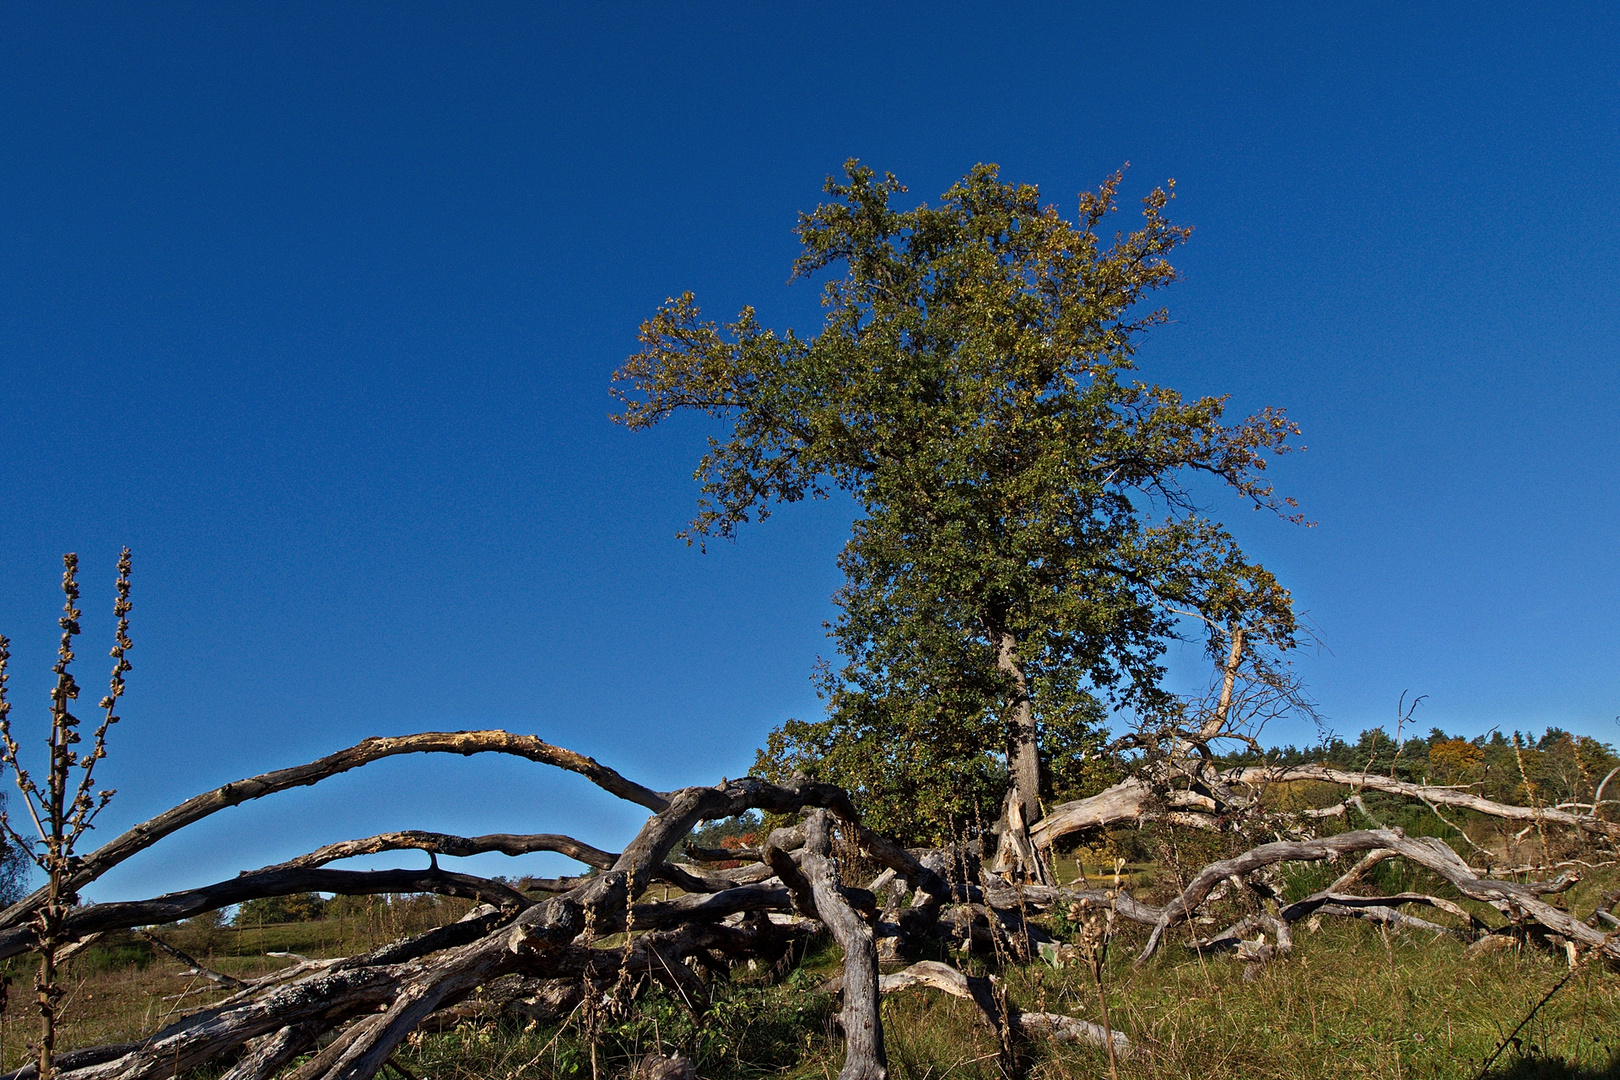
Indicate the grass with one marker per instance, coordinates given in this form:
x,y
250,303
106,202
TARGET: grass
x,y
1351,1001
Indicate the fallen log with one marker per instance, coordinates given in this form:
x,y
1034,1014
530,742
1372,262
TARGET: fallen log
x,y
1516,900
361,1008
977,989
1138,799
1261,776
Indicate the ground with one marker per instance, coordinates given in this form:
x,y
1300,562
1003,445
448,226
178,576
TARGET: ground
x,y
1351,1001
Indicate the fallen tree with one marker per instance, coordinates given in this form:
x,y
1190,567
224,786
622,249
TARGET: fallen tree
x,y
1211,791
353,1013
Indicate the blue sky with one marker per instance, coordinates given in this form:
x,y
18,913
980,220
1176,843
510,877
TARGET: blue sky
x,y
315,308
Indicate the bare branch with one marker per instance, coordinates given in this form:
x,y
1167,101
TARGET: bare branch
x,y
147,833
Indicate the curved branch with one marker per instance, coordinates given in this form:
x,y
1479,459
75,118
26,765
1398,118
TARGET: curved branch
x,y
1516,900
98,918
1131,800
194,809
454,846
1199,888
1255,776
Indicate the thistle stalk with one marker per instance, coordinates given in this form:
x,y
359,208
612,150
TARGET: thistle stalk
x,y
68,805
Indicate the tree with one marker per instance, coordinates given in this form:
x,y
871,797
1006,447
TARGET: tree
x,y
1029,535
298,907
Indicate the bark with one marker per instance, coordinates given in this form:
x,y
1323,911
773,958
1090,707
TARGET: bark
x,y
195,965
456,846
798,886
978,990
99,918
860,1017
1135,800
659,1067
1430,793
544,929
1131,801
1198,889
1022,810
144,835
1519,902
372,1002
266,1055
1389,917
1072,1029
1045,898
1302,908
1216,724
214,1033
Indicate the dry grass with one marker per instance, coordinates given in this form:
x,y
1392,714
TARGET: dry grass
x,y
1350,1002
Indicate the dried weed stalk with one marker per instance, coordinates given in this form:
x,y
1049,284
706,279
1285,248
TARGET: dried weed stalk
x,y
67,806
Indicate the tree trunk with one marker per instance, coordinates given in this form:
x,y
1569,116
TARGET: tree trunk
x,y
1015,852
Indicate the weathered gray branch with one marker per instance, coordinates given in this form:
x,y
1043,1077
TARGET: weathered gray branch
x,y
861,1018
1256,776
147,833
977,989
121,915
1516,900
454,846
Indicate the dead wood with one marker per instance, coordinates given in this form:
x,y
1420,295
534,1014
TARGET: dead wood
x,y
1258,776
73,1059
214,1033
1045,897
1390,917
860,1017
196,966
1236,936
979,990
456,846
1198,889
781,862
267,1054
1072,1029
122,915
1516,900
706,854
147,833
1300,909
659,1067
1139,799
1133,800
366,1005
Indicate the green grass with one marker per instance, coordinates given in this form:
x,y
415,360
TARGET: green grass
x,y
1350,1002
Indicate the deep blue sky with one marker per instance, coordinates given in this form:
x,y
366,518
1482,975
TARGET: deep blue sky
x,y
315,308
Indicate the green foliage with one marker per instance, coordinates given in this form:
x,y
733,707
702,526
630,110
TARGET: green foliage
x,y
746,1032
1027,537
1554,768
299,907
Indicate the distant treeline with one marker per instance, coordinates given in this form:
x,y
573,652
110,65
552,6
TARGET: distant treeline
x,y
1520,768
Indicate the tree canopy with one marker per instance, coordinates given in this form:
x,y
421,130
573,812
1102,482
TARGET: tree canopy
x,y
1029,537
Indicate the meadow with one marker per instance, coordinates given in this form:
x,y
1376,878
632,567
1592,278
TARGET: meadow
x,y
1352,999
